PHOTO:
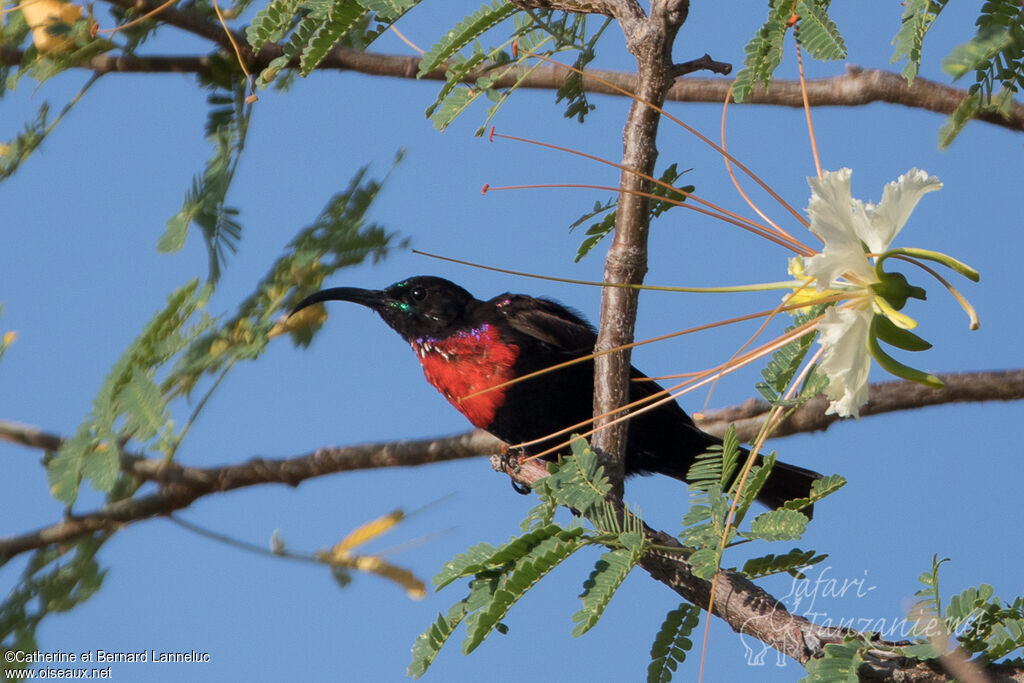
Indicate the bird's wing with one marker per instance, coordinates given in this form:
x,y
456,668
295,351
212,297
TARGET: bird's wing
x,y
546,321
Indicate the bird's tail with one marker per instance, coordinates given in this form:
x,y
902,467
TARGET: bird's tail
x,y
786,482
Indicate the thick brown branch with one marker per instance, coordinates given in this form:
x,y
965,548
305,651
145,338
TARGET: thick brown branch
x,y
857,87
886,397
182,485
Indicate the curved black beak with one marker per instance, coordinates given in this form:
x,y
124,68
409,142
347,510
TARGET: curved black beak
x,y
371,298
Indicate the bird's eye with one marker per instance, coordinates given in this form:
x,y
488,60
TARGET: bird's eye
x,y
418,293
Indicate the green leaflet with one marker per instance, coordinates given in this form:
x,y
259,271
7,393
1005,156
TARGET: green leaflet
x,y
785,363
483,558
996,56
205,202
817,33
599,230
718,465
524,575
608,574
127,392
579,483
821,488
918,17
672,642
55,580
777,525
763,53
317,26
430,642
839,665
342,16
465,32
792,563
456,567
271,23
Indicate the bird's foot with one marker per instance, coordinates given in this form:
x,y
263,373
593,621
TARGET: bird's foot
x,y
510,458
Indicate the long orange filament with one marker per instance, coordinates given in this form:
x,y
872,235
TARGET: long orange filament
x,y
147,15
554,278
807,107
757,333
759,231
673,392
663,337
690,129
795,244
735,181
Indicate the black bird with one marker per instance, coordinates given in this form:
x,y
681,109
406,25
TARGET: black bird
x,y
466,346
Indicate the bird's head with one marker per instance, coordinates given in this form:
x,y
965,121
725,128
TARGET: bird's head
x,y
421,307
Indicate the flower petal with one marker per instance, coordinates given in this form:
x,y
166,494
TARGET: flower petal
x,y
835,261
831,208
898,201
846,360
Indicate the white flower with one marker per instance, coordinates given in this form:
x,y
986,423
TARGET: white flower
x,y
851,230
847,225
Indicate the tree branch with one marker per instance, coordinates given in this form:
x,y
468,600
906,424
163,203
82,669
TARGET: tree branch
x,y
886,397
182,485
857,87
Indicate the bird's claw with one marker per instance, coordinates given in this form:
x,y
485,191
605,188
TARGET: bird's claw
x,y
510,464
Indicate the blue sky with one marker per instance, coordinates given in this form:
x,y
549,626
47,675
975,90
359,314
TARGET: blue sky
x,y
79,276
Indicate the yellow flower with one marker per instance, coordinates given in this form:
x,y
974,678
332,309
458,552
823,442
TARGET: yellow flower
x,y
43,15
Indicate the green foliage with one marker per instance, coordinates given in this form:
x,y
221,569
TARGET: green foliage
x,y
525,573
996,56
792,563
314,27
468,78
205,202
430,642
672,642
608,574
133,404
764,51
816,32
931,602
54,581
501,576
982,623
777,525
785,363
820,488
578,483
464,32
704,530
482,558
126,406
341,18
918,17
717,465
673,195
271,23
473,71
838,665
35,131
